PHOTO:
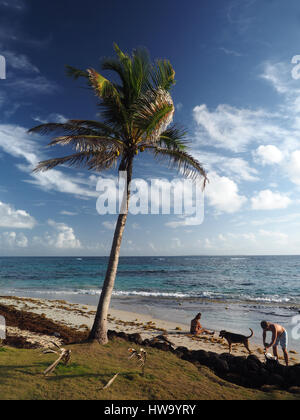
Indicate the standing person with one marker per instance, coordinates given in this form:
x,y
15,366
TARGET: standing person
x,y
279,336
196,327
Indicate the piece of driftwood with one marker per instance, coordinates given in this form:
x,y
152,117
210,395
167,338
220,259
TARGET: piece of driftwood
x,y
140,356
65,357
111,381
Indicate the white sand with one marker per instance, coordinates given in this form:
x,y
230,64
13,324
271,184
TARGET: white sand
x,y
81,317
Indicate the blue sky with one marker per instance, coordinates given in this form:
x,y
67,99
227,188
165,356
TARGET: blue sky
x,y
235,94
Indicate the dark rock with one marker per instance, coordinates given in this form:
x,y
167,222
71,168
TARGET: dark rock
x,y
253,364
111,334
277,380
135,338
239,365
202,357
269,388
182,349
227,356
280,370
254,380
294,390
187,356
220,366
254,359
234,378
292,375
122,335
162,346
271,365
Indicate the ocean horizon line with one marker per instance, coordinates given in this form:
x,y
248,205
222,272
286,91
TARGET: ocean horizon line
x,y
153,256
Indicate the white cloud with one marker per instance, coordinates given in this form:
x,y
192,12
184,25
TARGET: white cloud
x,y
13,240
68,213
235,168
15,219
268,155
233,128
186,221
56,118
230,52
19,62
33,85
135,226
64,238
18,5
268,200
15,141
293,167
223,194
109,225
278,237
280,78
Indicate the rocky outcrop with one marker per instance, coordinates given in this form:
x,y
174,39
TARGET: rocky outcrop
x,y
245,371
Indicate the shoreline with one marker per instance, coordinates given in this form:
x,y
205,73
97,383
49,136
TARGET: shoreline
x,y
80,316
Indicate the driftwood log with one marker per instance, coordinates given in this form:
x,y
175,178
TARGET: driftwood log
x,y
64,357
140,356
111,381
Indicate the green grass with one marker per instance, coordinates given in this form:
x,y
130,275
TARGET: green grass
x,y
92,366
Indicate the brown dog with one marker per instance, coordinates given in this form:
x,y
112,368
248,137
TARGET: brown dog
x,y
236,338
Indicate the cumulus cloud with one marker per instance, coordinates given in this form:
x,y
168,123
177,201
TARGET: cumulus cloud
x,y
15,219
13,240
280,78
269,200
223,194
268,155
64,238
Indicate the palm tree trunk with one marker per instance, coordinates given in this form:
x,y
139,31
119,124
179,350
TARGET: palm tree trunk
x,y
99,329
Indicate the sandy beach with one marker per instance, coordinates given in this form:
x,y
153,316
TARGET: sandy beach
x,y
81,317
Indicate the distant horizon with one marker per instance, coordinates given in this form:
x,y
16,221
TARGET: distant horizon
x,y
152,256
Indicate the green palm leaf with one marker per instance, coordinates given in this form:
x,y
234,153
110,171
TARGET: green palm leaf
x,y
182,161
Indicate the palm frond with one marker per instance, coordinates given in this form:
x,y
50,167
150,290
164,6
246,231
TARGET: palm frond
x,y
91,160
77,159
62,128
76,73
97,126
102,86
174,138
86,143
182,161
153,113
163,75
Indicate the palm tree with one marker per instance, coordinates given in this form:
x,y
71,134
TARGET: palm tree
x,y
136,115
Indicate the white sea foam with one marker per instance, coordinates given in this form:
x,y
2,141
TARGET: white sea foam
x,y
209,295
